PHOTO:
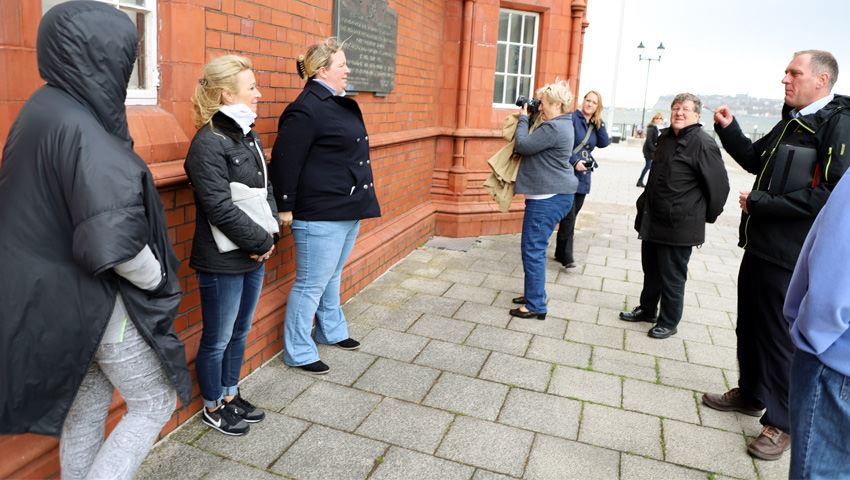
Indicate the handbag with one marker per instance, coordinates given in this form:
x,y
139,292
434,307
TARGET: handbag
x,y
253,201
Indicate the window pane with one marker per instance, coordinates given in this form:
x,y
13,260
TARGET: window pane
x,y
525,86
498,89
137,3
510,90
526,60
528,33
516,27
503,26
137,78
513,59
500,57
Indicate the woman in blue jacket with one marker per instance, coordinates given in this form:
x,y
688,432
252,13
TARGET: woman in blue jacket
x,y
590,133
322,177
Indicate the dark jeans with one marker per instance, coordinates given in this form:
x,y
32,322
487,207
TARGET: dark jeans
x,y
820,420
538,223
227,303
646,166
566,230
665,269
764,344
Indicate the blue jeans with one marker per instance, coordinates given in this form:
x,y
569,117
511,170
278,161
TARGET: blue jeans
x,y
227,304
820,420
538,223
646,167
321,249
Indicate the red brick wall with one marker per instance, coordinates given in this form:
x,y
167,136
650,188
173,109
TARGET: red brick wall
x,y
430,137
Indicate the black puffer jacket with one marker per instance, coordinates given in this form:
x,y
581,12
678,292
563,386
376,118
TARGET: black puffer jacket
x,y
686,188
777,225
221,154
321,169
651,142
75,201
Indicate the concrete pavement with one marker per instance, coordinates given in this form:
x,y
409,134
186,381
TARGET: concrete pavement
x,y
448,386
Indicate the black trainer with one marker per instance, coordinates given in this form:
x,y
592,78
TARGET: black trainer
x,y
246,409
316,368
348,344
225,420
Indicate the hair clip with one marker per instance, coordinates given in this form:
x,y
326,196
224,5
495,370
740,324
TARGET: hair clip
x,y
299,64
203,82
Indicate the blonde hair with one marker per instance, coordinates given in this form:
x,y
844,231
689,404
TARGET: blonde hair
x,y
596,118
318,56
219,76
657,115
558,91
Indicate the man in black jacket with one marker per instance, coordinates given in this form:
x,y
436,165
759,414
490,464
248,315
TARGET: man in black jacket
x,y
687,187
775,219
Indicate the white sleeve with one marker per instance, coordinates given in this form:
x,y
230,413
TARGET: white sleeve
x,y
143,270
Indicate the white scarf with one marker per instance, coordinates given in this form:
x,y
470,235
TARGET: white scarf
x,y
241,114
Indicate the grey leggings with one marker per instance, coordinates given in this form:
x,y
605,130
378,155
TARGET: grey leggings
x,y
135,370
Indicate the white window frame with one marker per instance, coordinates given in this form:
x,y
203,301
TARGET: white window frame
x,y
507,44
149,94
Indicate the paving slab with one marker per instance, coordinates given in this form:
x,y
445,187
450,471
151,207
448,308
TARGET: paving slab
x,y
467,396
542,413
551,327
593,334
707,449
489,445
442,328
228,470
323,453
273,387
467,293
390,317
693,377
559,351
453,358
392,344
333,405
483,314
672,347
517,371
346,365
586,385
402,464
633,467
398,379
621,430
627,364
661,400
557,459
177,460
499,339
406,425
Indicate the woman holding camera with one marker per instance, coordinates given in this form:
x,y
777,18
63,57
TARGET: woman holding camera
x,y
547,180
590,132
322,175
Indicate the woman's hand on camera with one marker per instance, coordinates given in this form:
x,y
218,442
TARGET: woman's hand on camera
x,y
580,167
523,110
285,218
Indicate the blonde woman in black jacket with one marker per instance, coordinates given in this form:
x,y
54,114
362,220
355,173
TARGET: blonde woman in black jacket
x,y
227,151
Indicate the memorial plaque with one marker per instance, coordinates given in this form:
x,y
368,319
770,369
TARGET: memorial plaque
x,y
369,29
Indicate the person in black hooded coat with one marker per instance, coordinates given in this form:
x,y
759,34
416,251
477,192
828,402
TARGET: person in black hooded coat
x,y
86,268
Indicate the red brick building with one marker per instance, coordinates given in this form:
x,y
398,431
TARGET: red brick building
x,y
459,66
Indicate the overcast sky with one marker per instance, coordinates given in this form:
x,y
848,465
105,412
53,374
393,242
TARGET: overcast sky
x,y
712,46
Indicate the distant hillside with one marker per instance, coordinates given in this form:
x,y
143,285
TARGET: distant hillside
x,y
741,104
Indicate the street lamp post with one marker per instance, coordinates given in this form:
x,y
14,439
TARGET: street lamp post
x,y
641,58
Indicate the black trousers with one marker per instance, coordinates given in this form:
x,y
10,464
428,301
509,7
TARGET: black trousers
x,y
566,229
665,270
764,344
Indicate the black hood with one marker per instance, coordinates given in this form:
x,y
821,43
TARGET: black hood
x,y
88,49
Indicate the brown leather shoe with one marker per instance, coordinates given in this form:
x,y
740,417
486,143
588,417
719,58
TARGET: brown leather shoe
x,y
733,401
770,444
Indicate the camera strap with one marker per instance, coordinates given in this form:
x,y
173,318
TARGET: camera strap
x,y
584,140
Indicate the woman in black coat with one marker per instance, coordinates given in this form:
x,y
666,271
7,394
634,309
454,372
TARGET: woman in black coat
x,y
226,158
650,144
88,282
322,177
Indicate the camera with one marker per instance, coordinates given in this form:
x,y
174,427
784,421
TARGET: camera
x,y
533,104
